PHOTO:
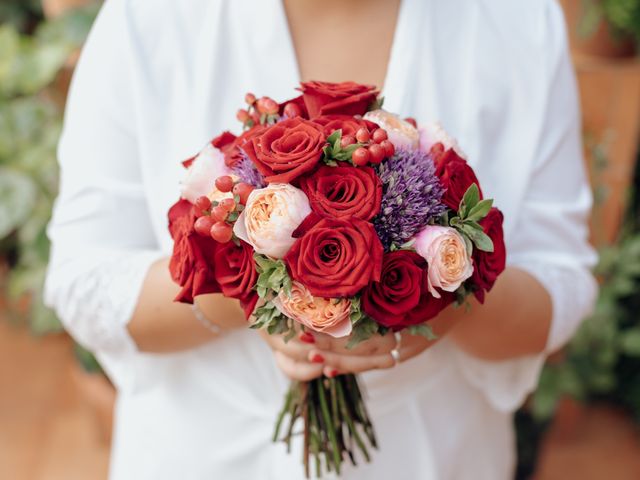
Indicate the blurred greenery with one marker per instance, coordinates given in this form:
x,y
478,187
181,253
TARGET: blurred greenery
x,y
31,62
622,15
601,364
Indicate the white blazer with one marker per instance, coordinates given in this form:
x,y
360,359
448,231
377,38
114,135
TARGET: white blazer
x,y
159,78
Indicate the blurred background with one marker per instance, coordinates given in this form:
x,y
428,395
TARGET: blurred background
x,y
583,422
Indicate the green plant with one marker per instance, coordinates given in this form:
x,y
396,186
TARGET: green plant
x,y
622,15
22,14
30,123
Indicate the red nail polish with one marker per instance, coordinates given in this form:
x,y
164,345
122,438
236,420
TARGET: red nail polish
x,y
333,373
306,337
317,358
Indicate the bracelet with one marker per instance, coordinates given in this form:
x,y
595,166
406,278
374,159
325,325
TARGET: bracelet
x,y
202,318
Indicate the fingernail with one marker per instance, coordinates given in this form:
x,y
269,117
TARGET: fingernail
x,y
317,358
332,373
306,337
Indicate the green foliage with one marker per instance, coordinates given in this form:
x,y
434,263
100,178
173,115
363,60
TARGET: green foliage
x,y
334,153
423,330
22,14
30,124
272,276
470,212
606,349
622,15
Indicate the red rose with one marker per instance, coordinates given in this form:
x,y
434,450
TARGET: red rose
x,y
344,191
235,270
346,98
192,263
336,258
455,174
236,273
401,298
347,123
286,150
232,146
489,265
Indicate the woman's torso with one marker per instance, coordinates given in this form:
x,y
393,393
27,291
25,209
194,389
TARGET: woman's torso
x,y
209,413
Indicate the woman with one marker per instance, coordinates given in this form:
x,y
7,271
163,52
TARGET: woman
x,y
198,393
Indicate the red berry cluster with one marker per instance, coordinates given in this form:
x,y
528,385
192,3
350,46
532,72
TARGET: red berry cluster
x,y
216,219
259,111
376,146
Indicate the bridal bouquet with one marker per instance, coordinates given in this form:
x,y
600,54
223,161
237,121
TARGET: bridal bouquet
x,y
331,215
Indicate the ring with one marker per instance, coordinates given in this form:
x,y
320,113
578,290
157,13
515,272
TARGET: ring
x,y
395,353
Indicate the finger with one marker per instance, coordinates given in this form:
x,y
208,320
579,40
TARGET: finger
x,y
376,345
300,371
294,348
354,363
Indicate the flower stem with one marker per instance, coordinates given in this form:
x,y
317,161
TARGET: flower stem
x,y
337,457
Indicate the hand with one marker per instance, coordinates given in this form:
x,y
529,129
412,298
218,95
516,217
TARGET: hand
x,y
311,355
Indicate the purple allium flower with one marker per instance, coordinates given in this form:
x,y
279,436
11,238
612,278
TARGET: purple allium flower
x,y
248,173
411,196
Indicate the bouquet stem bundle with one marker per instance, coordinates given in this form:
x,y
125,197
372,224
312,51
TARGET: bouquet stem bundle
x,y
335,418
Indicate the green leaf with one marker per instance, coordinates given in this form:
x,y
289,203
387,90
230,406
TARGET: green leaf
x,y
334,137
363,330
469,200
480,239
630,342
480,211
17,199
423,330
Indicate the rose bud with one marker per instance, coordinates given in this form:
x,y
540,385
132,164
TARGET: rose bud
x,y
446,253
401,133
250,99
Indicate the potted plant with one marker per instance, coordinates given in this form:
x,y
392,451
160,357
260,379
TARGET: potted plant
x,y
35,57
603,28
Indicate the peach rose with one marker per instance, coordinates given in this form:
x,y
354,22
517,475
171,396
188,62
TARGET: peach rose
x,y
400,132
270,216
202,173
326,315
446,253
434,133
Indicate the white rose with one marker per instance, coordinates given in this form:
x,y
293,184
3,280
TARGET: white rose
x,y
446,254
202,173
270,216
400,132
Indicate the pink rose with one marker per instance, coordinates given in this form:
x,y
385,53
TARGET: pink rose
x,y
324,315
432,134
270,217
446,253
400,132
202,172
